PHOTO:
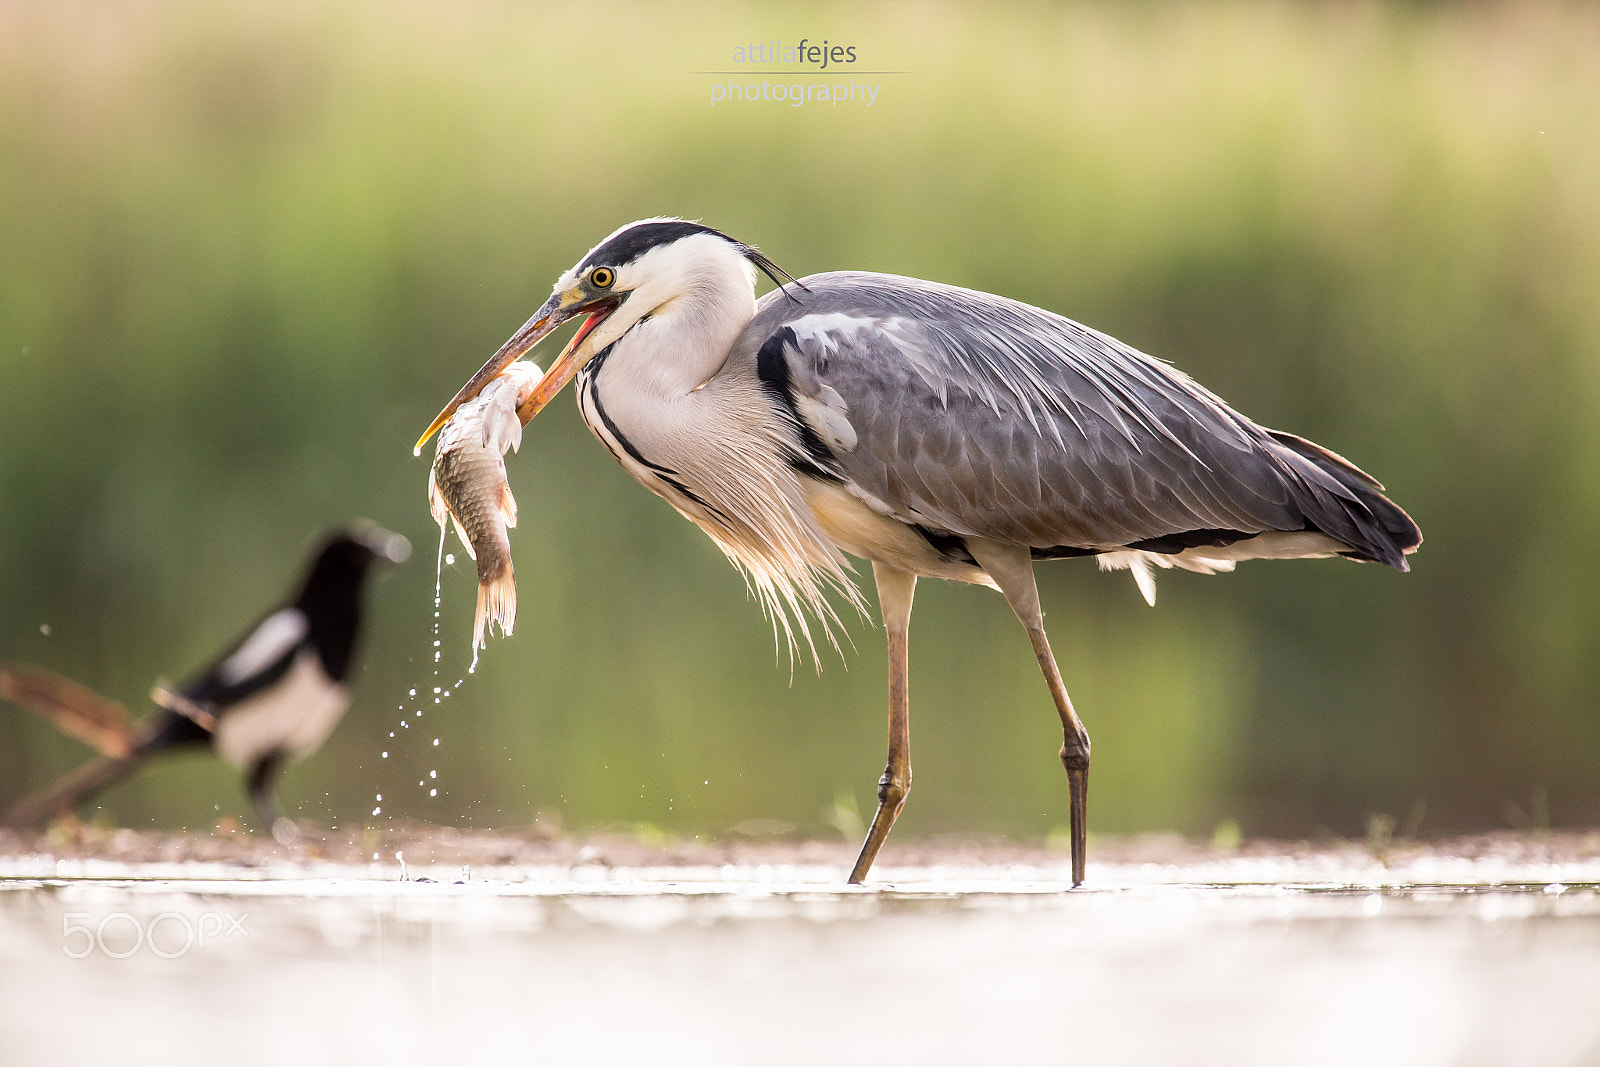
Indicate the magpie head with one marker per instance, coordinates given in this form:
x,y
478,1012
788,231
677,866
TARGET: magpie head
x,y
361,545
347,556
331,595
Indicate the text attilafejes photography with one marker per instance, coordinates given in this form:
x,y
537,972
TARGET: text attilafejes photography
x,y
795,74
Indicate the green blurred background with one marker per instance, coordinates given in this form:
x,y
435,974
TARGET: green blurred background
x,y
247,251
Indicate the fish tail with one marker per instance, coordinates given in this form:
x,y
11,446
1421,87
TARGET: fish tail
x,y
497,603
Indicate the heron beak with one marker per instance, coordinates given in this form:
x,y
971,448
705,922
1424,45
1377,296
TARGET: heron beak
x,y
557,310
564,368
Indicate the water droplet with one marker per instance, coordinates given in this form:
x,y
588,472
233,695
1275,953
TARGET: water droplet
x,y
413,692
436,689
386,755
379,797
44,628
435,742
431,774
433,792
450,558
377,811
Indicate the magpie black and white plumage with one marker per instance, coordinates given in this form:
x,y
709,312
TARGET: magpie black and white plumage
x,y
272,697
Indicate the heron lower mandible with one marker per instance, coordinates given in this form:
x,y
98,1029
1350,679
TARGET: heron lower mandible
x,y
935,431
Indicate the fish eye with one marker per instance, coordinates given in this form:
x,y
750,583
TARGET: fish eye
x,y
602,277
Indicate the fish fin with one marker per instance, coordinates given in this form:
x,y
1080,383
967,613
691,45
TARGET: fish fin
x,y
508,504
466,542
502,428
497,603
436,504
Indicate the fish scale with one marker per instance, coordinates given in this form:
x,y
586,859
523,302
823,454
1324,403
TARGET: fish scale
x,y
467,486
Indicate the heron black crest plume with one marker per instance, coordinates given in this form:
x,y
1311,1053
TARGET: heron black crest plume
x,y
634,241
772,270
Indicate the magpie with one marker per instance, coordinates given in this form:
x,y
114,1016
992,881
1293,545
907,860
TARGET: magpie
x,y
273,696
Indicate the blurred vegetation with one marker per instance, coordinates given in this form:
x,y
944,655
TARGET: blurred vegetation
x,y
247,251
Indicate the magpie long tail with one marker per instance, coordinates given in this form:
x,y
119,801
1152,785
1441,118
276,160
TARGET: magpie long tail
x,y
74,709
71,789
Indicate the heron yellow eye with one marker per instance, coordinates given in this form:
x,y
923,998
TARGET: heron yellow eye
x,y
602,277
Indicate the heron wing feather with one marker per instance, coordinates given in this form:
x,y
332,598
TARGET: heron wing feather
x,y
981,416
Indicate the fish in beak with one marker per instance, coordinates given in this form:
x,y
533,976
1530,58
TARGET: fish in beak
x,y
557,310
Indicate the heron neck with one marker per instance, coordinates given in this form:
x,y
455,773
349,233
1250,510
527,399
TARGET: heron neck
x,y
679,346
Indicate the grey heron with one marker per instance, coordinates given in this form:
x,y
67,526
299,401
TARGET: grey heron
x,y
935,431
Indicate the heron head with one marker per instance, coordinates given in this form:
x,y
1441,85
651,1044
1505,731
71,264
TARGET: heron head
x,y
640,271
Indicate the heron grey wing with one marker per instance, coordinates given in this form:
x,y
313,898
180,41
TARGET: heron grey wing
x,y
978,415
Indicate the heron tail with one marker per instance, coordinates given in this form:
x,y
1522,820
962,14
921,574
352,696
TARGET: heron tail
x,y
1348,504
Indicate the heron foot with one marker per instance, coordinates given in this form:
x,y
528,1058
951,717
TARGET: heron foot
x,y
1076,761
893,789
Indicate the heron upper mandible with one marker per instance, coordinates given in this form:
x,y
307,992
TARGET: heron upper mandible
x,y
933,430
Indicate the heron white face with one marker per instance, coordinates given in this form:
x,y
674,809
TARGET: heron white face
x,y
645,270
675,278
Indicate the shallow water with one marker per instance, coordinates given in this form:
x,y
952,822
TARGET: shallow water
x,y
1243,961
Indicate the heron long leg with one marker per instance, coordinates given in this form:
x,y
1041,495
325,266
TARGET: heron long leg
x,y
895,589
1011,567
